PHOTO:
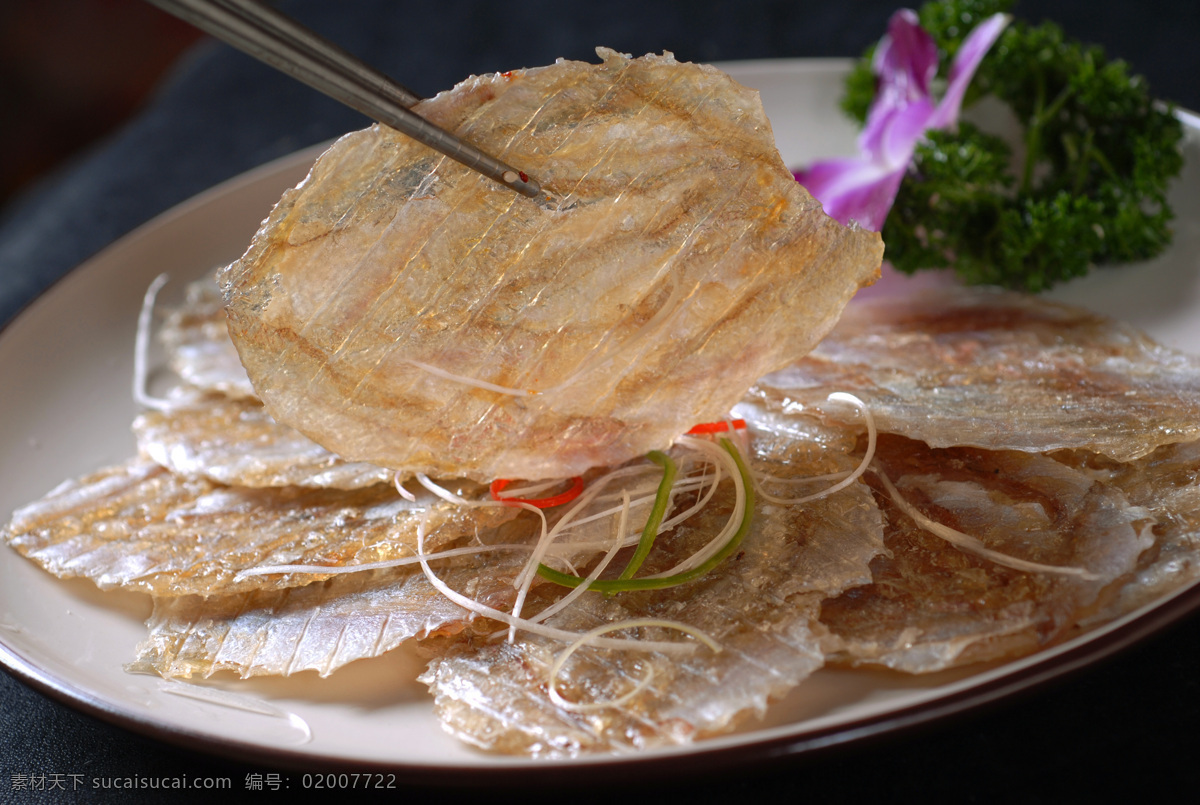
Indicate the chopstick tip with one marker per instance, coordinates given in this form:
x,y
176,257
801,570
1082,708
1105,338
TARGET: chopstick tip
x,y
522,183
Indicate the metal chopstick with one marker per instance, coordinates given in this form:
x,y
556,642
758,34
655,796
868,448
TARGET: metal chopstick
x,y
283,43
302,38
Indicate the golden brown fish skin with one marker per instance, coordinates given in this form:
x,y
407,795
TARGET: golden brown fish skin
x,y
136,526
759,605
933,606
950,366
661,282
235,442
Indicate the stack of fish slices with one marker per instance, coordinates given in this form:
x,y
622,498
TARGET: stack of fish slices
x,y
1114,509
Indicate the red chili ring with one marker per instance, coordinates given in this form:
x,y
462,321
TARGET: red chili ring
x,y
499,485
716,427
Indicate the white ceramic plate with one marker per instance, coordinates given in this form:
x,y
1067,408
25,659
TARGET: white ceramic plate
x,y
66,409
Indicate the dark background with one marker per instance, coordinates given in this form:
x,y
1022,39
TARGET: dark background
x,y
146,114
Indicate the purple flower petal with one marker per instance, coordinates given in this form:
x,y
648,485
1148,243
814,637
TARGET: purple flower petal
x,y
973,49
863,188
891,135
853,189
905,61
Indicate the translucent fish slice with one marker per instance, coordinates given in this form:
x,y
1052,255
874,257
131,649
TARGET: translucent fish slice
x,y
137,526
934,606
217,429
319,627
236,442
196,338
949,367
1167,484
402,310
759,605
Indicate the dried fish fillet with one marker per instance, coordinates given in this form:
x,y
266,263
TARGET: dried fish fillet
x,y
950,367
235,442
196,338
677,262
318,627
1167,484
137,526
933,606
216,428
760,607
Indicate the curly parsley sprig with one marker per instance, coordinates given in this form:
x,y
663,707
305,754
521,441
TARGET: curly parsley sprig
x,y
1088,185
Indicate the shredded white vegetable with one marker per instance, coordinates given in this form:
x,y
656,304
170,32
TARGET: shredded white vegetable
x,y
716,454
448,496
400,490
708,476
266,570
524,580
569,598
970,544
645,493
526,491
684,485
846,478
539,550
591,638
524,624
